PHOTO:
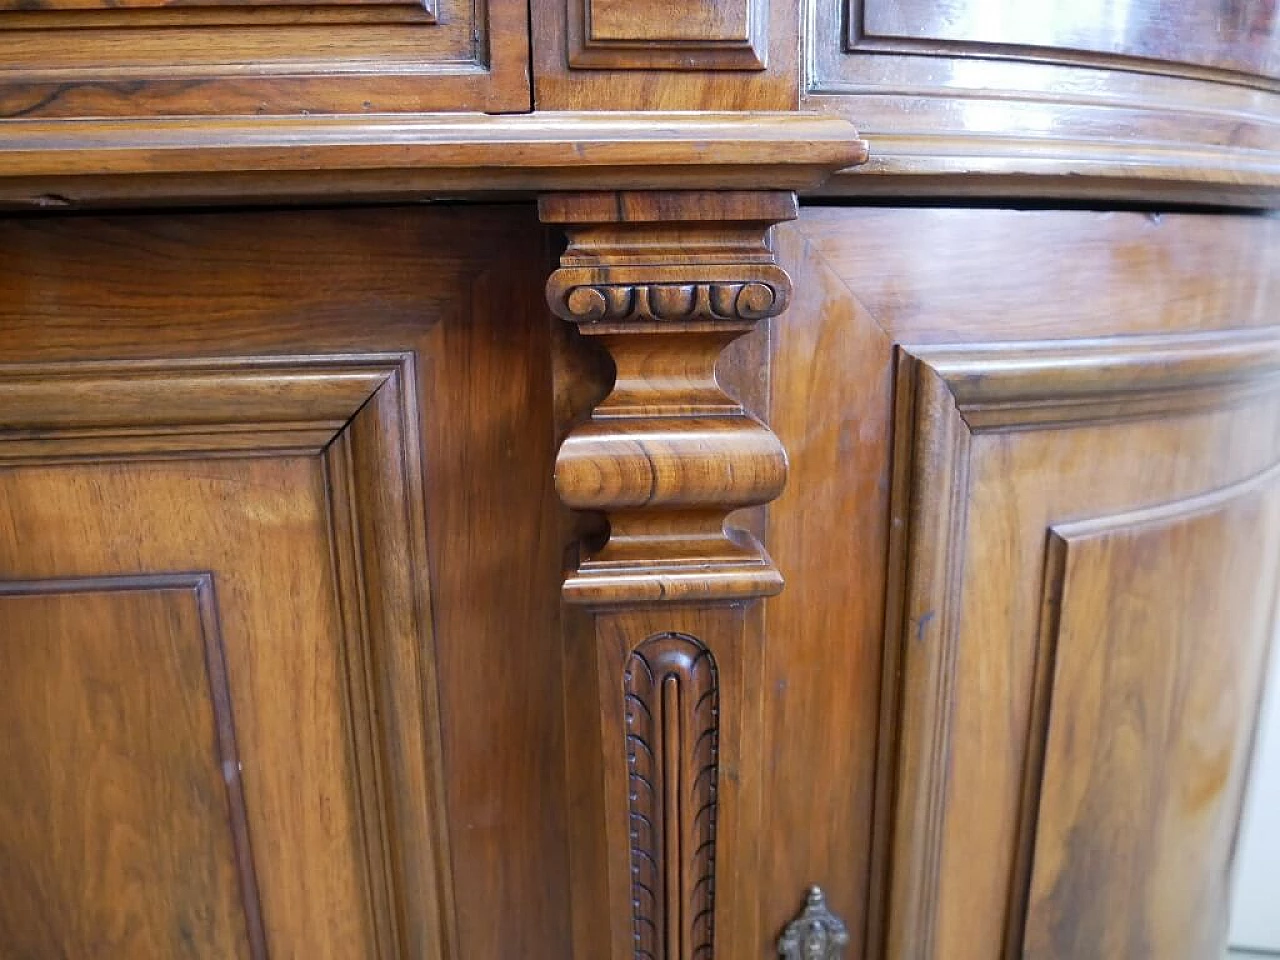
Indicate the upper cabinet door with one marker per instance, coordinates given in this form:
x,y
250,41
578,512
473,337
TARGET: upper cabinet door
x,y
101,58
1175,99
1195,36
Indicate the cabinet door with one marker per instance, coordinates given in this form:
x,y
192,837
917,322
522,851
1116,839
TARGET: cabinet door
x,y
278,579
1031,539
1091,539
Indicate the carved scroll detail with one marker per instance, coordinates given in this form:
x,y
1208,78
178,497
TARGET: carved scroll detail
x,y
817,934
672,730
726,301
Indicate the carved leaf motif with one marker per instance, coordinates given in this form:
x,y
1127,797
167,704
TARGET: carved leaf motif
x,y
672,730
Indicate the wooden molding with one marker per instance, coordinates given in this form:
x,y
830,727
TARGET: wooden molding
x,y
358,414
665,283
624,35
69,163
999,386
160,408
1062,681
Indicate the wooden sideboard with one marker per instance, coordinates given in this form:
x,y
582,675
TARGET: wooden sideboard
x,y
633,481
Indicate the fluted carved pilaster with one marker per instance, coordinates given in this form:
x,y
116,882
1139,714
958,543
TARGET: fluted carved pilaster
x,y
663,686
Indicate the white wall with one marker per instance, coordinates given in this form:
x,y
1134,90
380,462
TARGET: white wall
x,y
1255,913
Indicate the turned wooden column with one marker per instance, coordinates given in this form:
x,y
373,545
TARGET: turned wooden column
x,y
664,674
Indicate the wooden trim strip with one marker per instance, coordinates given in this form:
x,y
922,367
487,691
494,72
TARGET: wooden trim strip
x,y
779,150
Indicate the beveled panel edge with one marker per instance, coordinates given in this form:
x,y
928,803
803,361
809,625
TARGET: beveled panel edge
x,y
929,493
228,757
69,163
951,126
374,482
1059,539
1041,384
176,408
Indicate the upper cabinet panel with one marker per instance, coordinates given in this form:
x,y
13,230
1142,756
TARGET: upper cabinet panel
x,y
1229,35
1107,99
101,58
666,54
621,34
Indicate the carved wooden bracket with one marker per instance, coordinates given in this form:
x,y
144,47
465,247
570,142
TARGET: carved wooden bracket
x,y
666,282
663,685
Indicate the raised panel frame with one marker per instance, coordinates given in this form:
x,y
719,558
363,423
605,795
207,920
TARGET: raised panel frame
x,y
1202,918
645,42
358,414
947,398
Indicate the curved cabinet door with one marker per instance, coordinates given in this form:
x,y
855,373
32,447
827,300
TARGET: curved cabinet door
x,y
1061,427
1090,545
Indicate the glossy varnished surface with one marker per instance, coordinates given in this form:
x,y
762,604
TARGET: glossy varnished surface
x,y
663,670
1151,722
987,98
57,165
1218,34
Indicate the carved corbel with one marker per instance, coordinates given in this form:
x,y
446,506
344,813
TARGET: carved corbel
x,y
665,282
665,688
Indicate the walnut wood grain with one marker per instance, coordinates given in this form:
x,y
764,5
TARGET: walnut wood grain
x,y
117,718
666,282
865,281
663,665
625,35
263,407
1151,711
61,60
973,520
736,55
683,885
390,786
